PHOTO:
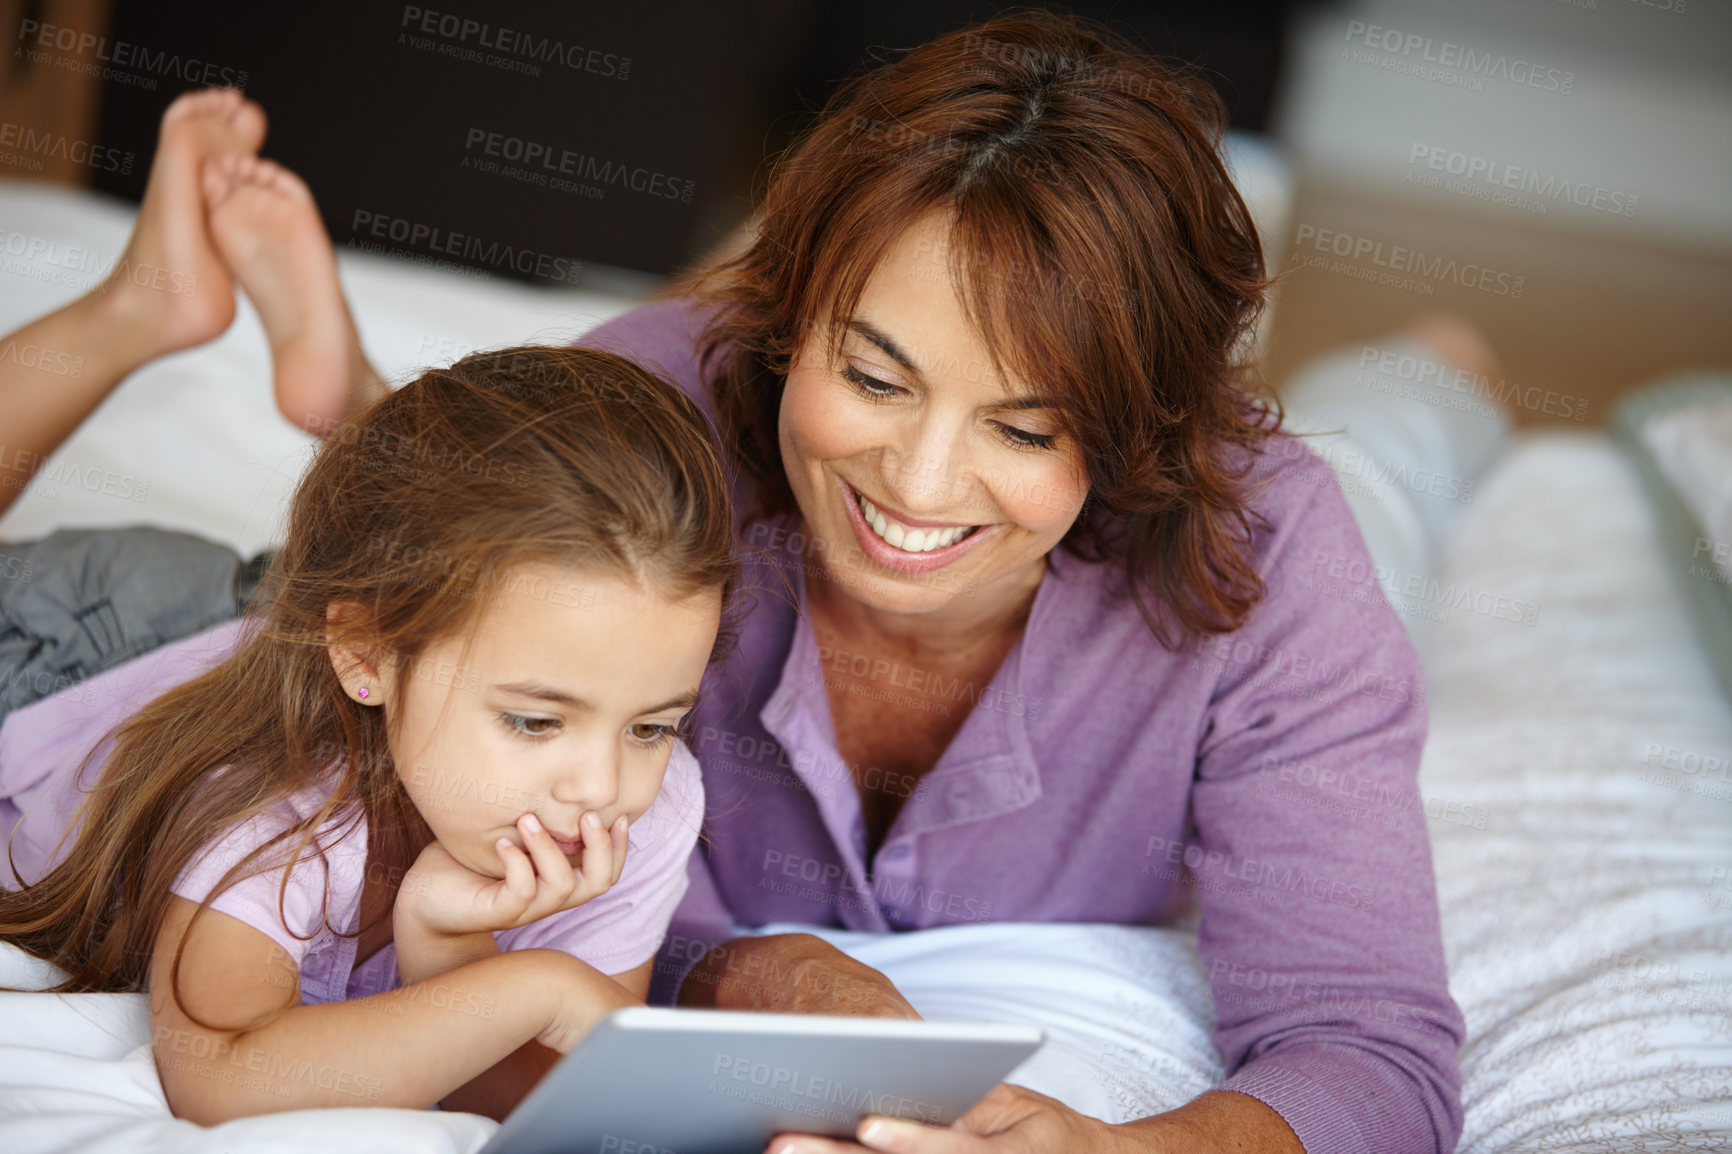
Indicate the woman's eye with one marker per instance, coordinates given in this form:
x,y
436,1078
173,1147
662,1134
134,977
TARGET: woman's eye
x,y
1026,439
648,734
870,387
529,726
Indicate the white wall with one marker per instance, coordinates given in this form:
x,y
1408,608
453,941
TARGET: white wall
x,y
1624,99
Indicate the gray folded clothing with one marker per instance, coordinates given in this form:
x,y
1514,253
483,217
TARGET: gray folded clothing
x,y
84,600
1679,430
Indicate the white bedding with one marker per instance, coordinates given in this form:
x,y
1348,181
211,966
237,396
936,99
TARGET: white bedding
x,y
1587,923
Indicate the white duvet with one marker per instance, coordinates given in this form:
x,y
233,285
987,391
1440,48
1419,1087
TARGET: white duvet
x,y
1578,773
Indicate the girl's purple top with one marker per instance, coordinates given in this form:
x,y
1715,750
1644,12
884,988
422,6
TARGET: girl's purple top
x,y
43,745
1269,776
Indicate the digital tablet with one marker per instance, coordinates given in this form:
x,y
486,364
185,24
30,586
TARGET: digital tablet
x,y
658,1081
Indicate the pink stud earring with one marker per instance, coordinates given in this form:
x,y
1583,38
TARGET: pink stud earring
x,y
361,692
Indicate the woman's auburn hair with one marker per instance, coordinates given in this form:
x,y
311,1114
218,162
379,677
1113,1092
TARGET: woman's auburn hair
x,y
417,511
1099,246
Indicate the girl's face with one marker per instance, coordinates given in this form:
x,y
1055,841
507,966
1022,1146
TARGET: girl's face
x,y
922,476
563,701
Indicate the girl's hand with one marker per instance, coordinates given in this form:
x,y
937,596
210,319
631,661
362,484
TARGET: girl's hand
x,y
440,895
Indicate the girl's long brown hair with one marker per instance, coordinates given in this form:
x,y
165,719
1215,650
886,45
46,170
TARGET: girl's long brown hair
x,y
1098,245
414,509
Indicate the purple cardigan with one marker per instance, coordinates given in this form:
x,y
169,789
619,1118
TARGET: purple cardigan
x,y
1268,776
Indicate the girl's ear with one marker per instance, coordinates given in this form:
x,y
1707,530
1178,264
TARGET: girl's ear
x,y
360,662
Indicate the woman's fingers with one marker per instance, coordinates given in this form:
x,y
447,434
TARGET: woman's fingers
x,y
904,1137
891,1135
809,1144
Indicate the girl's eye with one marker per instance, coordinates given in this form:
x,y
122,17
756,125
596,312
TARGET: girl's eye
x,y
646,733
1027,440
869,387
530,727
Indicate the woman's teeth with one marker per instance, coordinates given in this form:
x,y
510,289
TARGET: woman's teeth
x,y
910,540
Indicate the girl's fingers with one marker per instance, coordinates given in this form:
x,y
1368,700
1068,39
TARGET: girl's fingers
x,y
553,872
621,838
519,883
597,858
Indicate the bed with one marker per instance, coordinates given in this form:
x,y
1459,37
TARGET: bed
x,y
1578,778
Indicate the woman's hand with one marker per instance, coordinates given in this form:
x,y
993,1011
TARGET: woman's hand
x,y
791,974
1012,1120
1009,1120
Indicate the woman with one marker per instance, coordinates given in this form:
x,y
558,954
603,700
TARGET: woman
x,y
1053,627
1039,620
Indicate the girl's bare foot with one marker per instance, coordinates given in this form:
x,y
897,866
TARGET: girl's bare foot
x,y
267,228
170,287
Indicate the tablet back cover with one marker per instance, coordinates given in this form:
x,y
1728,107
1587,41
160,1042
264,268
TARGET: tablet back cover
x,y
647,1083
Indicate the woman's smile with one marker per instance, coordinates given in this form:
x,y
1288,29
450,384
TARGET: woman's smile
x,y
907,544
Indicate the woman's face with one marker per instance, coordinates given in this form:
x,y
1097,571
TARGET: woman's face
x,y
922,476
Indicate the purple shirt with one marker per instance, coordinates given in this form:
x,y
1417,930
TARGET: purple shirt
x,y
1268,776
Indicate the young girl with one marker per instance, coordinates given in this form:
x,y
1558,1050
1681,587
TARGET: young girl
x,y
369,844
